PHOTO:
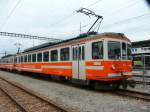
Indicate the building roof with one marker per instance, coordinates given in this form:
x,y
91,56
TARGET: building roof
x,y
143,43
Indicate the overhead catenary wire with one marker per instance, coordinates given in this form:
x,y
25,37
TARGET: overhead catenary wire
x,y
10,14
123,7
73,13
126,20
115,24
29,36
132,3
92,4
139,28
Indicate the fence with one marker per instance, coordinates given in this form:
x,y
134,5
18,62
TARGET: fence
x,y
141,67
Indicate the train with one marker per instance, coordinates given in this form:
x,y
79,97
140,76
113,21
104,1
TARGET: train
x,y
97,60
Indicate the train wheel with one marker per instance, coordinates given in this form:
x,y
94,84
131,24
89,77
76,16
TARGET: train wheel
x,y
102,86
115,86
62,78
124,84
91,84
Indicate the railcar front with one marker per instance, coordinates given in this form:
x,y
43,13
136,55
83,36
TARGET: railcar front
x,y
111,62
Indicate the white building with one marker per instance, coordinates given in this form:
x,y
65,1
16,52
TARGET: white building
x,y
141,53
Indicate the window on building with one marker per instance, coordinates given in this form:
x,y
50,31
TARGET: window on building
x,y
33,57
46,56
54,55
64,54
97,50
39,57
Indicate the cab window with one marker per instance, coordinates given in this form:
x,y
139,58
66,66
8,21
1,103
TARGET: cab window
x,y
114,50
97,50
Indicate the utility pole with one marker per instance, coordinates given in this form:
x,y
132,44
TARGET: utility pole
x,y
5,53
80,28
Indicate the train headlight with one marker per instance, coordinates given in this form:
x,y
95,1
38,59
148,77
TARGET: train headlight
x,y
113,67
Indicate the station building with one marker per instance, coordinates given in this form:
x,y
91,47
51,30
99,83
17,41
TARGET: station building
x,y
141,54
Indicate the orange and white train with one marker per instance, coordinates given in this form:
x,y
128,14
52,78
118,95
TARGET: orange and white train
x,y
97,59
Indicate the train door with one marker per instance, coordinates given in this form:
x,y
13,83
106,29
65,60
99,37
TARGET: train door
x,y
78,61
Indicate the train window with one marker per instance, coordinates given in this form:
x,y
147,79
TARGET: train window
x,y
46,56
129,56
33,57
10,60
22,59
114,50
39,57
29,58
64,54
54,55
124,51
25,58
15,61
97,50
19,59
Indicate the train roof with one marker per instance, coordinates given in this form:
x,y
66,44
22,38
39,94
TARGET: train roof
x,y
54,43
46,45
9,55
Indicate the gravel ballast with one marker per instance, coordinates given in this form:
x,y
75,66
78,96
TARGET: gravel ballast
x,y
83,100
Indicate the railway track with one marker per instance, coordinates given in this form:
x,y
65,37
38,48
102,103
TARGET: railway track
x,y
133,94
141,82
121,92
7,104
26,100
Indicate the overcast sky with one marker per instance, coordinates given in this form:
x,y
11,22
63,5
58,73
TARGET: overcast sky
x,y
58,19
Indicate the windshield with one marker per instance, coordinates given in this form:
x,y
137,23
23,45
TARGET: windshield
x,y
114,50
97,50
